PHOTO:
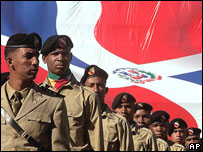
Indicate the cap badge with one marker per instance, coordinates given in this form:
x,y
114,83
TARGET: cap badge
x,y
36,41
62,42
176,124
140,105
163,118
125,98
190,132
91,71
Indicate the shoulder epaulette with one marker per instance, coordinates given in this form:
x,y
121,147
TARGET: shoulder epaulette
x,y
56,94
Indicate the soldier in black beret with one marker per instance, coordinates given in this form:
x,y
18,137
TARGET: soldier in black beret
x,y
142,115
160,124
177,130
192,136
85,132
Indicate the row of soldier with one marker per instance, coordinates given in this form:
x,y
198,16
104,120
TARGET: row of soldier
x,y
64,114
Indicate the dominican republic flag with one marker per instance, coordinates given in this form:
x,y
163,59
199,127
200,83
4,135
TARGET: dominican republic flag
x,y
151,49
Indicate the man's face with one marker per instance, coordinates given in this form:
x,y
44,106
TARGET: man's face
x,y
98,85
24,63
58,61
178,135
159,129
192,139
142,117
125,109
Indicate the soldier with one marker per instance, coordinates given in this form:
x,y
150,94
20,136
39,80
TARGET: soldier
x,y
32,118
177,130
83,105
160,126
143,138
117,134
192,136
142,115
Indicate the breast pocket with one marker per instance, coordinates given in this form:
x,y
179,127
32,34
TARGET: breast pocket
x,y
75,117
38,122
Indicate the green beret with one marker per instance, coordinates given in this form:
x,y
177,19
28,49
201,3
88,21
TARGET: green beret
x,y
176,123
122,97
54,42
143,105
22,40
93,71
160,116
192,131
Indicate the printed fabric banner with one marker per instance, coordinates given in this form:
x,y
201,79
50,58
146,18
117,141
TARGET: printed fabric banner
x,y
150,49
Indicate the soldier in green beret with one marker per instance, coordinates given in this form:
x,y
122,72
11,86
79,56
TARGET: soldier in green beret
x,y
117,134
40,116
83,107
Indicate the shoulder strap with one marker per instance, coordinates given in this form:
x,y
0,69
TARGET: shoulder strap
x,y
19,130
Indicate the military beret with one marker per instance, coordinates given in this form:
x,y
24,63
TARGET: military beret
x,y
176,123
160,116
122,97
21,40
93,71
54,42
143,105
192,131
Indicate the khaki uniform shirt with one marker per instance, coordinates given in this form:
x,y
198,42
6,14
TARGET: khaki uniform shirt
x,y
42,116
175,147
116,129
143,139
84,115
162,145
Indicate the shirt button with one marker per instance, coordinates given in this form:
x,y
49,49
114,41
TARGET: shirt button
x,y
38,119
14,149
15,136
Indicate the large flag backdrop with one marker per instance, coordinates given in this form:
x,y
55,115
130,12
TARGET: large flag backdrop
x,y
151,49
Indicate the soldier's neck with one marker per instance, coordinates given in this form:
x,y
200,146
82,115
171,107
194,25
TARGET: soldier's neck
x,y
19,85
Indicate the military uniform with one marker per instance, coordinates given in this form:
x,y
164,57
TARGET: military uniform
x,y
175,146
143,138
83,115
162,145
117,134
42,116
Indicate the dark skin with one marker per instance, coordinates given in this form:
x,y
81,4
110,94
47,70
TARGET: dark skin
x,y
23,67
159,129
178,135
142,117
98,85
192,139
58,61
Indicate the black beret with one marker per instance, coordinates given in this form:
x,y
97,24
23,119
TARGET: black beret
x,y
176,123
93,71
143,105
192,131
21,40
56,41
4,77
160,116
122,97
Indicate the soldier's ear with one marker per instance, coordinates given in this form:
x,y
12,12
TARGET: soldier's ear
x,y
9,61
44,59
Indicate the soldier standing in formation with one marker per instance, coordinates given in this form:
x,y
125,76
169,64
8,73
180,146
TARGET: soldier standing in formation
x,y
143,138
117,134
37,117
160,126
83,107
